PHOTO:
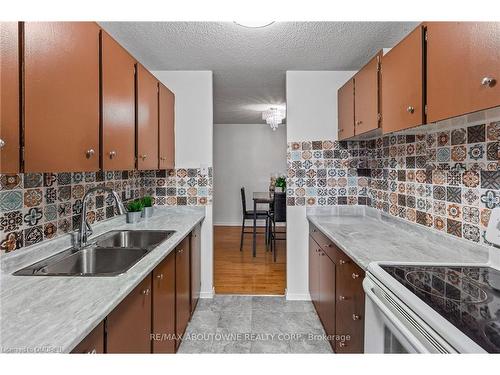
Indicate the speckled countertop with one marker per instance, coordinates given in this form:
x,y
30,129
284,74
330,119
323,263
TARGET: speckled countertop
x,y
53,314
368,236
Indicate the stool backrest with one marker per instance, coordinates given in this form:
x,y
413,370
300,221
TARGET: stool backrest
x,y
279,206
243,201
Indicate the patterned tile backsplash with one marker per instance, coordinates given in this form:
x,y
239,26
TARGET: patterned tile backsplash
x,y
39,206
446,180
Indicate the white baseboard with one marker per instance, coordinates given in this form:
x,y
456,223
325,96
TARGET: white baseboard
x,y
208,294
298,296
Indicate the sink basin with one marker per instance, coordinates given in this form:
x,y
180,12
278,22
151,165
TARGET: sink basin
x,y
110,254
143,239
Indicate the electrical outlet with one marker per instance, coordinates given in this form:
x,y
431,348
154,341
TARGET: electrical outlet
x,y
493,230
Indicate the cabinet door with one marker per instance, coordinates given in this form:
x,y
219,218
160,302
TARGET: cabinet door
x,y
128,326
9,99
345,102
61,97
461,56
147,119
327,292
195,258
93,343
350,307
118,106
182,287
164,306
167,128
402,84
366,97
314,251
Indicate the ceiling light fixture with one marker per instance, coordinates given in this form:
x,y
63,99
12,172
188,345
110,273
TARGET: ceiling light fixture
x,y
254,24
274,116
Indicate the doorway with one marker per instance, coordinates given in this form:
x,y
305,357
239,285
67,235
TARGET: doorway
x,y
246,155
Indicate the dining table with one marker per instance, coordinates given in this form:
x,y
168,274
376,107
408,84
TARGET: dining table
x,y
266,197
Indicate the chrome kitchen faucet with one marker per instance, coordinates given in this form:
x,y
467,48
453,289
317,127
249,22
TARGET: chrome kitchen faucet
x,y
85,230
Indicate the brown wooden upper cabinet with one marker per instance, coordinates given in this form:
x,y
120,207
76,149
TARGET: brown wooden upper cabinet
x,y
9,98
147,119
346,110
118,106
166,132
164,306
61,96
463,68
402,84
366,97
128,326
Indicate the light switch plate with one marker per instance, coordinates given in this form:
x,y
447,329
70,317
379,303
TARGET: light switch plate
x,y
493,230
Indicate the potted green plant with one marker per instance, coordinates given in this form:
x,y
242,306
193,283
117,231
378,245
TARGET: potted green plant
x,y
281,183
134,211
148,209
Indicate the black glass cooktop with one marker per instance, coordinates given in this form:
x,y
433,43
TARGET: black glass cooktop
x,y
468,297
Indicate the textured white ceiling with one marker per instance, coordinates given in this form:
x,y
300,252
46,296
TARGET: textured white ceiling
x,y
249,65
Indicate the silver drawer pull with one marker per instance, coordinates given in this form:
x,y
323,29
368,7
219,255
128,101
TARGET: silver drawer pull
x,y
342,298
90,153
112,154
2,143
355,275
145,292
410,109
160,276
355,317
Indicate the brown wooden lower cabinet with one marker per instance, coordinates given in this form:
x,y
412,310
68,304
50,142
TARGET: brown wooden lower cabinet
x,y
335,285
163,329
350,308
157,311
93,343
314,255
128,327
327,293
195,259
182,288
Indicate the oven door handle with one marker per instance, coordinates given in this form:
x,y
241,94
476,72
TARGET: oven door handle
x,y
395,320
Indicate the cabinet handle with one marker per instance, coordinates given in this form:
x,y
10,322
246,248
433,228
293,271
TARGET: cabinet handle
x,y
488,81
355,317
329,245
355,275
143,157
93,351
163,158
410,109
342,298
112,154
146,292
342,261
90,153
180,251
160,276
359,122
342,344
2,143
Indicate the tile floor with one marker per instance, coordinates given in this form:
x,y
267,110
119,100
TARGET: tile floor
x,y
251,324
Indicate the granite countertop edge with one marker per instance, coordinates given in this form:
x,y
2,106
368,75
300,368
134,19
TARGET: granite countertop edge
x,y
471,253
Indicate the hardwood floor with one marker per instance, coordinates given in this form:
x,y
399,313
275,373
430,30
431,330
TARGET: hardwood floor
x,y
237,272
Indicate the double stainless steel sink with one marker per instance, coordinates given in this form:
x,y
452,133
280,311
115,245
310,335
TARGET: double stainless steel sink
x,y
110,254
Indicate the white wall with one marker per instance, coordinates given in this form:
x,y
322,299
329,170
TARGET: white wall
x,y
311,115
193,144
244,155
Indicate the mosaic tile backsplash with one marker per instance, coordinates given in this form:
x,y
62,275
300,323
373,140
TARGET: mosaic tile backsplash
x,y
40,206
446,180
